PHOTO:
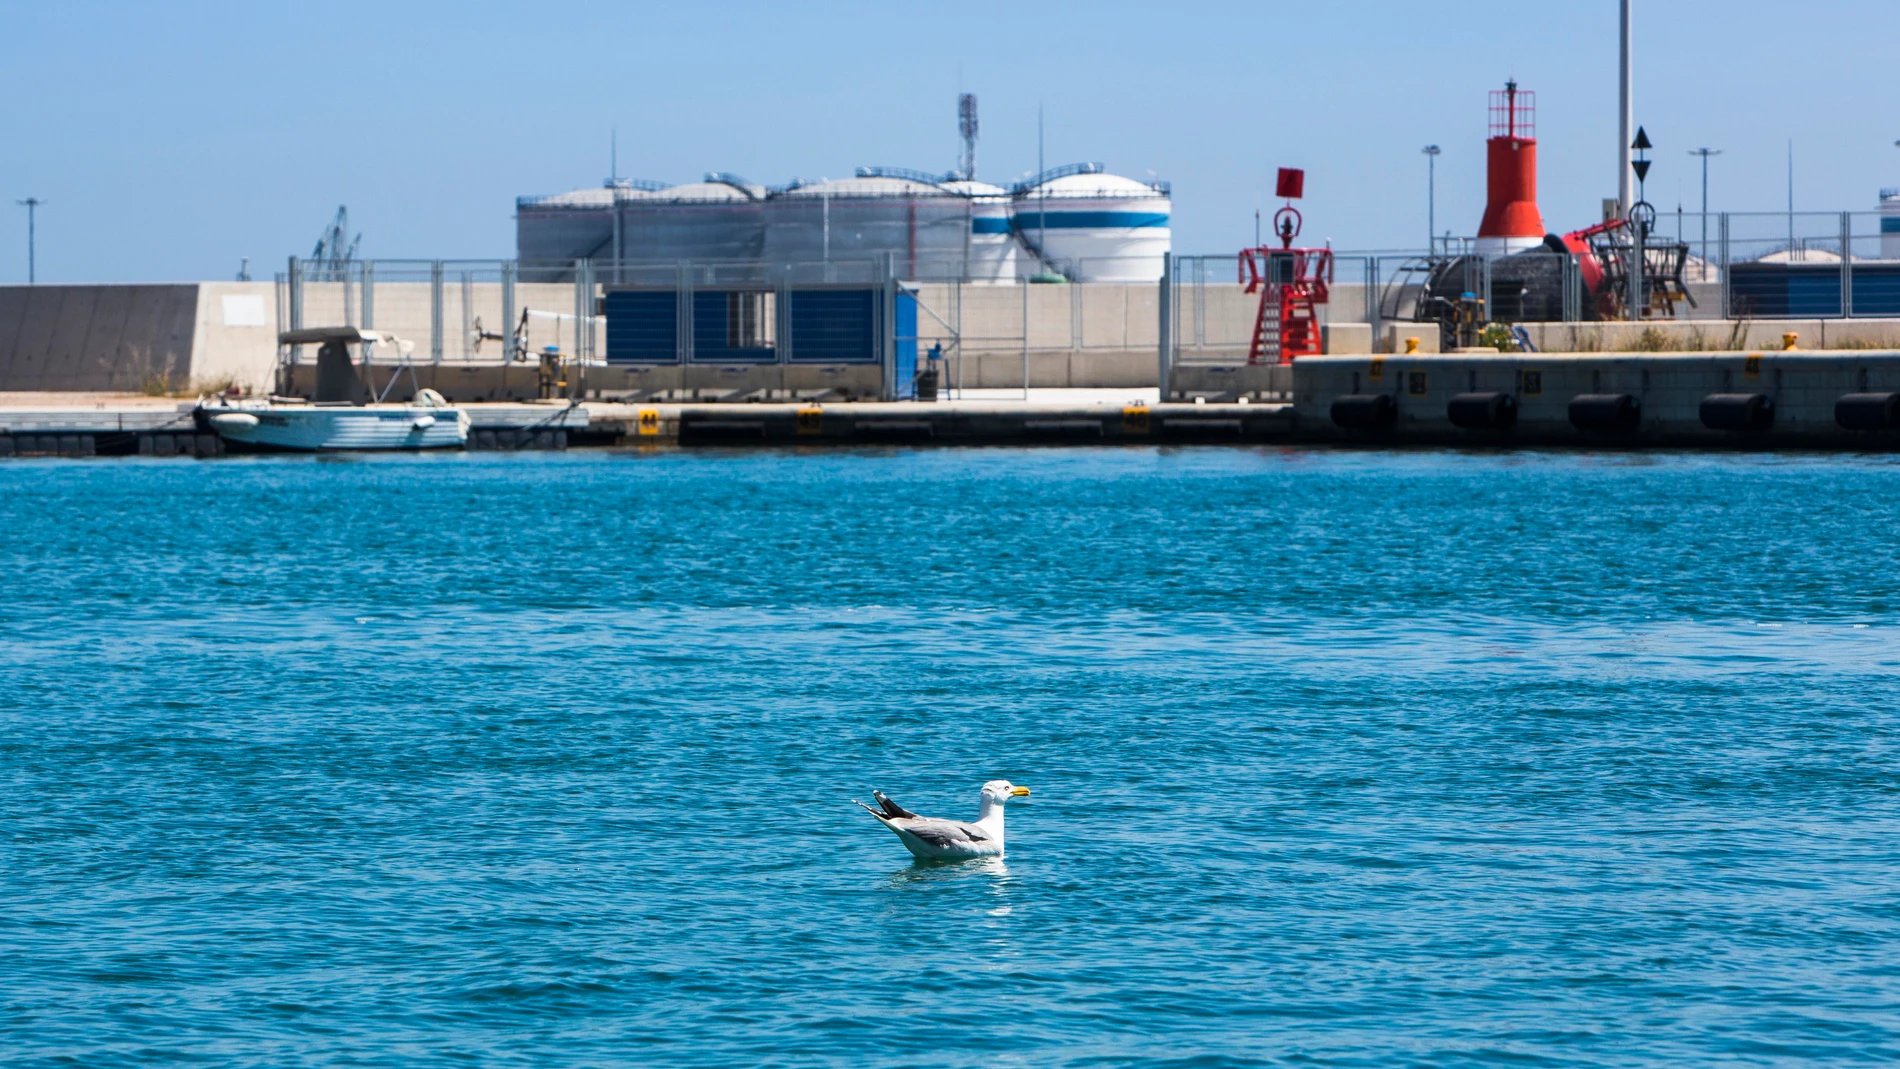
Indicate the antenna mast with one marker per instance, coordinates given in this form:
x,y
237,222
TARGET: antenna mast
x,y
966,126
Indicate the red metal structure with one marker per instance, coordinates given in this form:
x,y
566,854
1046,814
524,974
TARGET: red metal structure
x,y
1578,244
1511,219
1603,264
1292,283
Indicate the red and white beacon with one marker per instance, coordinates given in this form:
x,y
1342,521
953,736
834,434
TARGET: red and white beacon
x,y
1512,222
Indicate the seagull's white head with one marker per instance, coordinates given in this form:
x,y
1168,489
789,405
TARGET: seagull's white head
x,y
1002,790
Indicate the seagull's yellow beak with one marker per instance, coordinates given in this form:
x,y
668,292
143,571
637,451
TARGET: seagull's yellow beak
x,y
1019,792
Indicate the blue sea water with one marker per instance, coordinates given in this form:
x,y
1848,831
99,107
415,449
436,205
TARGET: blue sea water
x,y
1339,759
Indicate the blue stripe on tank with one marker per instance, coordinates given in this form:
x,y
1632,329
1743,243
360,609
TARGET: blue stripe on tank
x,y
989,226
1091,220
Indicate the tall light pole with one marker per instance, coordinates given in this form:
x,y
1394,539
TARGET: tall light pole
x,y
1626,116
32,205
1705,153
1431,195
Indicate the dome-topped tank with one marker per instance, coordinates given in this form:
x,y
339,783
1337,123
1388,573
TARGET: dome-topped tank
x,y
1093,226
720,219
992,247
716,187
551,232
865,185
905,215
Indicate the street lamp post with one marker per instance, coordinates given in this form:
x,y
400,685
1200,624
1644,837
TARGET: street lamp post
x,y
32,205
1431,195
1626,110
1705,153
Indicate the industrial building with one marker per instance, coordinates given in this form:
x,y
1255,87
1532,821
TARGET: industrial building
x,y
1076,223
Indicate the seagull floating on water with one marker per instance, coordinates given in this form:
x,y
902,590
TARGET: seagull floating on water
x,y
950,840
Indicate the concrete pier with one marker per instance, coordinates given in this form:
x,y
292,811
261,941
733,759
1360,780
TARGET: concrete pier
x,y
1847,400
1761,400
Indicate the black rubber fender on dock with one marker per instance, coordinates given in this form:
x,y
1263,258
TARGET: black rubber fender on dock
x,y
1868,411
1365,411
701,429
1738,412
1605,412
1482,411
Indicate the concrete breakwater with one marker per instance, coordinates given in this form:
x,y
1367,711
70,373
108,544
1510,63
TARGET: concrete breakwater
x,y
1846,400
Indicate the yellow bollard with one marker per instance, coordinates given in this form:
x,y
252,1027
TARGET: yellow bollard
x,y
1788,340
1411,345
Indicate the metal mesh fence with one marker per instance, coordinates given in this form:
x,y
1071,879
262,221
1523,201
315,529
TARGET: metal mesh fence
x,y
1735,265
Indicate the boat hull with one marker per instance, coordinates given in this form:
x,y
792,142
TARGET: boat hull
x,y
369,428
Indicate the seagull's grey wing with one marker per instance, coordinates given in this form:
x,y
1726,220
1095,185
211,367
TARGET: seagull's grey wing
x,y
892,809
942,832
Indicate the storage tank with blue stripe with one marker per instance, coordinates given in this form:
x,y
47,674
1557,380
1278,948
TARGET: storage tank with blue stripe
x,y
993,251
1092,226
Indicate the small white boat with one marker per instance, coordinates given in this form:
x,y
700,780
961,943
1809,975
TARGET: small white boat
x,y
343,416
428,422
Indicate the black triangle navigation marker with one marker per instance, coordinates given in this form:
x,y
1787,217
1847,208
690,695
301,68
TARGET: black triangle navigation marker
x,y
1642,169
1642,140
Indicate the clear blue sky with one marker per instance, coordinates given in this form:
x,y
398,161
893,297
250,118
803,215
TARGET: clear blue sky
x,y
170,140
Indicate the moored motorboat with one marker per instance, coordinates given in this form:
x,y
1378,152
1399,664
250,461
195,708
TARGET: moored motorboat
x,y
428,422
342,416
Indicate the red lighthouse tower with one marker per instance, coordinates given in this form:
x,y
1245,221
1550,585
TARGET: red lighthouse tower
x,y
1512,222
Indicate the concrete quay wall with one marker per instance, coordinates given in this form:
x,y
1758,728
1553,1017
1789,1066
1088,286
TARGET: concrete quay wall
x,y
1791,400
132,429
1801,390
941,422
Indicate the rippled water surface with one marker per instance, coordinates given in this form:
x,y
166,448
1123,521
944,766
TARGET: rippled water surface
x,y
1339,759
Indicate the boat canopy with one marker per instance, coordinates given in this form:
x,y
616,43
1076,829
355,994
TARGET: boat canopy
x,y
320,335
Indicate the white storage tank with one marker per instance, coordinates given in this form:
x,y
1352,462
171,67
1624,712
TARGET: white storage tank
x,y
906,215
552,232
720,219
1093,226
992,250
